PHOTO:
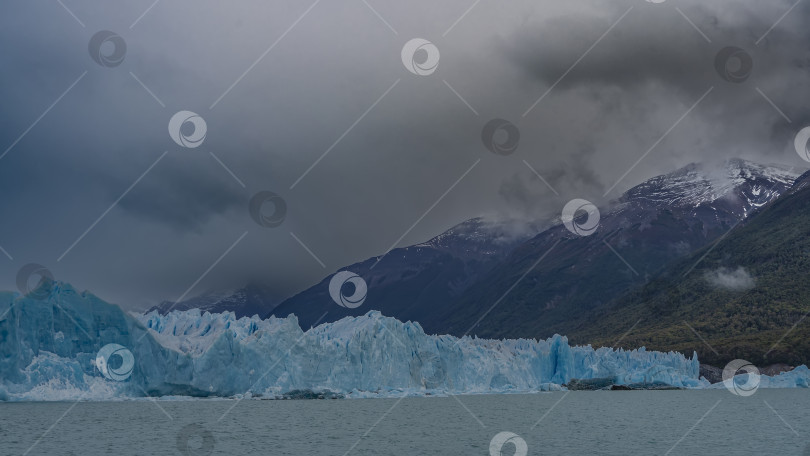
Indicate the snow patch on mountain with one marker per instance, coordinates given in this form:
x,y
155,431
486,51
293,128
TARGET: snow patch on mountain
x,y
697,184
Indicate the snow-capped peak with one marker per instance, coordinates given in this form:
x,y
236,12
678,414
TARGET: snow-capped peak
x,y
696,184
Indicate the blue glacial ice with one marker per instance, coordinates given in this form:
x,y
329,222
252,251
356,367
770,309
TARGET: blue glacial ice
x,y
48,351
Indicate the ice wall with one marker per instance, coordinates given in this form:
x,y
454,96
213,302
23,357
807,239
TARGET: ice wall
x,y
48,349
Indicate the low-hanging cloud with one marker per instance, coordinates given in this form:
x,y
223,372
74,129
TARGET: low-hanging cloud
x,y
731,279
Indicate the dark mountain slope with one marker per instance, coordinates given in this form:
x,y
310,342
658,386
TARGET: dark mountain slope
x,y
411,283
741,295
655,223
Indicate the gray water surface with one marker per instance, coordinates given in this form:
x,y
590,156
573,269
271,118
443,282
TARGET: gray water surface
x,y
581,423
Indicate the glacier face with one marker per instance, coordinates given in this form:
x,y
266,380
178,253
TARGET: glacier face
x,y
373,353
48,351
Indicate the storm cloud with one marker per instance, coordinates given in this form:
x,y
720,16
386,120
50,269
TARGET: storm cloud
x,y
311,101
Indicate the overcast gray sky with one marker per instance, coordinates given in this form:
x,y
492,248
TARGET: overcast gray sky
x,y
280,83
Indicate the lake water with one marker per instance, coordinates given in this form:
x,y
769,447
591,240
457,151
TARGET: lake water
x,y
581,423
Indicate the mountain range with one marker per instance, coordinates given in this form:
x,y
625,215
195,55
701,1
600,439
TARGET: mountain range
x,y
651,225
745,296
613,287
252,299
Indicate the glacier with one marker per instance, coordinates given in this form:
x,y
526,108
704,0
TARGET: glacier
x,y
48,350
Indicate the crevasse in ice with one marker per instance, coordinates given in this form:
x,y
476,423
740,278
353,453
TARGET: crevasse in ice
x,y
48,349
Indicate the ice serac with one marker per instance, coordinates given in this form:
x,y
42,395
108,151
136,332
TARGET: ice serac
x,y
48,350
381,355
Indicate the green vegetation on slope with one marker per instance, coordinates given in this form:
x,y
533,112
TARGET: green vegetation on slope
x,y
748,322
